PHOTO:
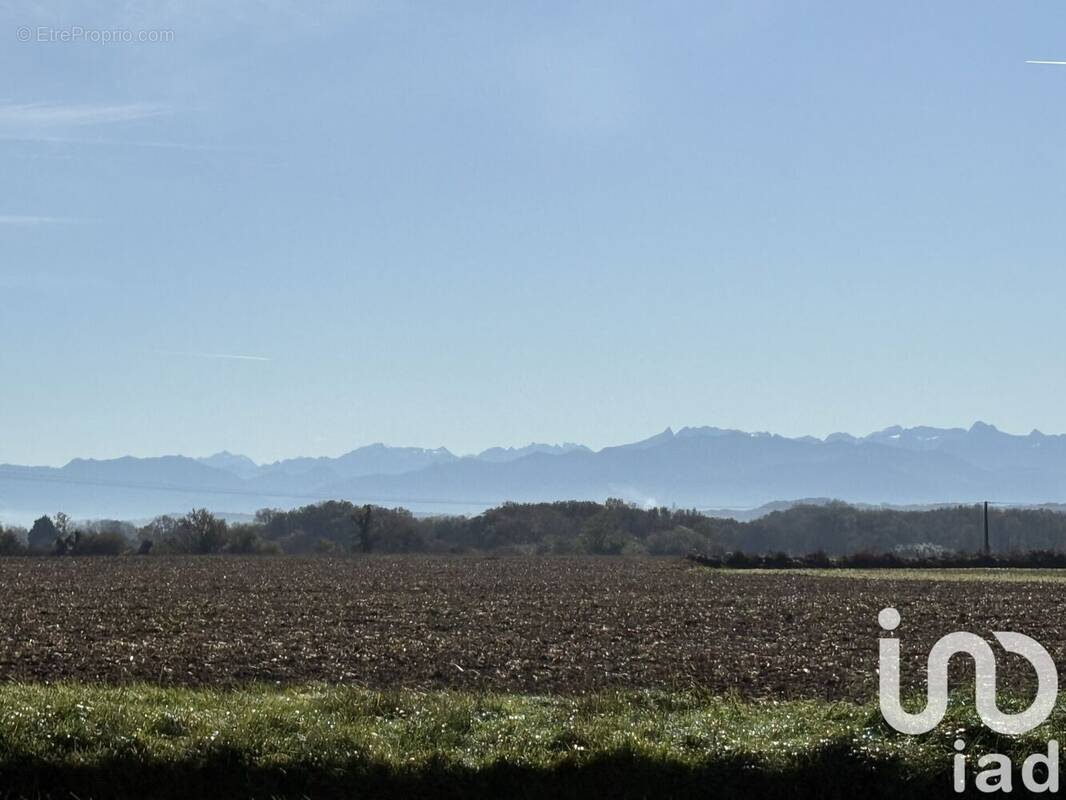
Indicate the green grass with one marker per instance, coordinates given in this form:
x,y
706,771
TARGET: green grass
x,y
140,741
1008,574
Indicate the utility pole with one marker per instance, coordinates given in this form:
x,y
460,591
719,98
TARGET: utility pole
x,y
988,549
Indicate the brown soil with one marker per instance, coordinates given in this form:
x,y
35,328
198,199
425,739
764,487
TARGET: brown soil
x,y
509,624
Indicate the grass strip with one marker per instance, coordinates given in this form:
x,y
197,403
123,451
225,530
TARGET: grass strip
x,y
322,741
963,574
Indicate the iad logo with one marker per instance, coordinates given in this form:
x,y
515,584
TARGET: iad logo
x,y
998,775
985,668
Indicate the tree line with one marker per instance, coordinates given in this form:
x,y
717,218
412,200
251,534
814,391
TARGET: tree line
x,y
569,527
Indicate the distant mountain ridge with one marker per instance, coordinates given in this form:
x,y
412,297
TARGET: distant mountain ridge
x,y
703,467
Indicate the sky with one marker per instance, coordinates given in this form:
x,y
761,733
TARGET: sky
x,y
292,229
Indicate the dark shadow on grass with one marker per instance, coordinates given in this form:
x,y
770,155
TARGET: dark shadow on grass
x,y
834,772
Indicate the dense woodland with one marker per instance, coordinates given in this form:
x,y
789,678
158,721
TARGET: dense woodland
x,y
611,528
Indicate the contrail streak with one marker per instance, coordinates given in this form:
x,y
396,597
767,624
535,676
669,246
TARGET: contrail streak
x,y
229,356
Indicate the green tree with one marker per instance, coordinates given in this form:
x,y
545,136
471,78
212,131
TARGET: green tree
x,y
105,543
363,517
244,539
10,543
43,535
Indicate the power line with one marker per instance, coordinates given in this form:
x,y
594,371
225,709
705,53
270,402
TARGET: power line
x,y
178,488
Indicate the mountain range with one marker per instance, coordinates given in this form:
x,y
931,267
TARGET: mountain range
x,y
702,467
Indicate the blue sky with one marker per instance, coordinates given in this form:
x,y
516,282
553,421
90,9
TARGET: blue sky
x,y
469,224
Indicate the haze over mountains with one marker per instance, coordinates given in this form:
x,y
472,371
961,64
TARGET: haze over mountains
x,y
694,467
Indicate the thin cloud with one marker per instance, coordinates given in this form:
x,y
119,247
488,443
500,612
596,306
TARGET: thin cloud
x,y
121,143
1058,63
39,123
51,115
223,356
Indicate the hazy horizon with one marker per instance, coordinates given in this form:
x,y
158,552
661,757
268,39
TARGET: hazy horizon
x,y
697,467
341,450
